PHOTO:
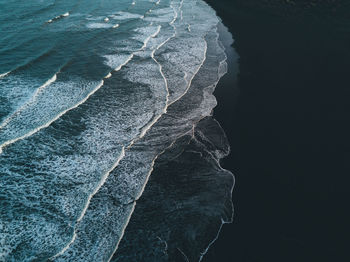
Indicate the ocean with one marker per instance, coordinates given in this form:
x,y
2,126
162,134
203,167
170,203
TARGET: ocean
x,y
97,98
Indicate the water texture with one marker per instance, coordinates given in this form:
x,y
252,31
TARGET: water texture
x,y
92,93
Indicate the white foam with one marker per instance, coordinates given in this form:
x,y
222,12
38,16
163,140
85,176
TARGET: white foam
x,y
58,17
125,15
98,25
102,181
118,66
152,41
147,127
31,100
4,74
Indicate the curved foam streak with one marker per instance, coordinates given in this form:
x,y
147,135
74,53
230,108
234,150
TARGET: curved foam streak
x,y
143,186
102,181
223,64
105,177
9,142
181,13
123,232
143,132
172,24
140,194
223,222
147,127
4,74
189,28
204,58
31,100
195,73
148,176
2,146
219,73
58,17
205,50
125,63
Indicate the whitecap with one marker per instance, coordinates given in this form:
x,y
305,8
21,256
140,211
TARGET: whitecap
x,y
58,17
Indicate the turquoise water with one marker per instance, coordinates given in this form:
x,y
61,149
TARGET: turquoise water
x,y
91,92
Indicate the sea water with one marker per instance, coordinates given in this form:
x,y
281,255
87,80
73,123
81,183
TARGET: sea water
x,y
91,94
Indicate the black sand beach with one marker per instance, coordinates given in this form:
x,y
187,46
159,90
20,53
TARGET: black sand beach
x,y
289,132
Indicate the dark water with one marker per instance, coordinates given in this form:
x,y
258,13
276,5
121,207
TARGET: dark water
x,y
289,134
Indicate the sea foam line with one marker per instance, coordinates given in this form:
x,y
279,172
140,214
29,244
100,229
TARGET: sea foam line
x,y
87,203
194,74
123,231
35,130
150,124
4,74
148,127
142,190
122,155
218,160
143,132
31,100
156,157
152,168
155,119
58,17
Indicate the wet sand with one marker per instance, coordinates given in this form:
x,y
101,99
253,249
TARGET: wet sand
x,y
287,121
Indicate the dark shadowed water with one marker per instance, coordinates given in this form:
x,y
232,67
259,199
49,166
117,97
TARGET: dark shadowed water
x,y
289,134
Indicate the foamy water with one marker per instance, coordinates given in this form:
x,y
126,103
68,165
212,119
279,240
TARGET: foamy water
x,y
87,111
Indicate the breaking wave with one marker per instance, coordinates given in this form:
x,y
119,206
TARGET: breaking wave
x,y
83,128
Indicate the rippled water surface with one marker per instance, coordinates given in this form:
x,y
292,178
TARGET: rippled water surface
x,y
92,95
